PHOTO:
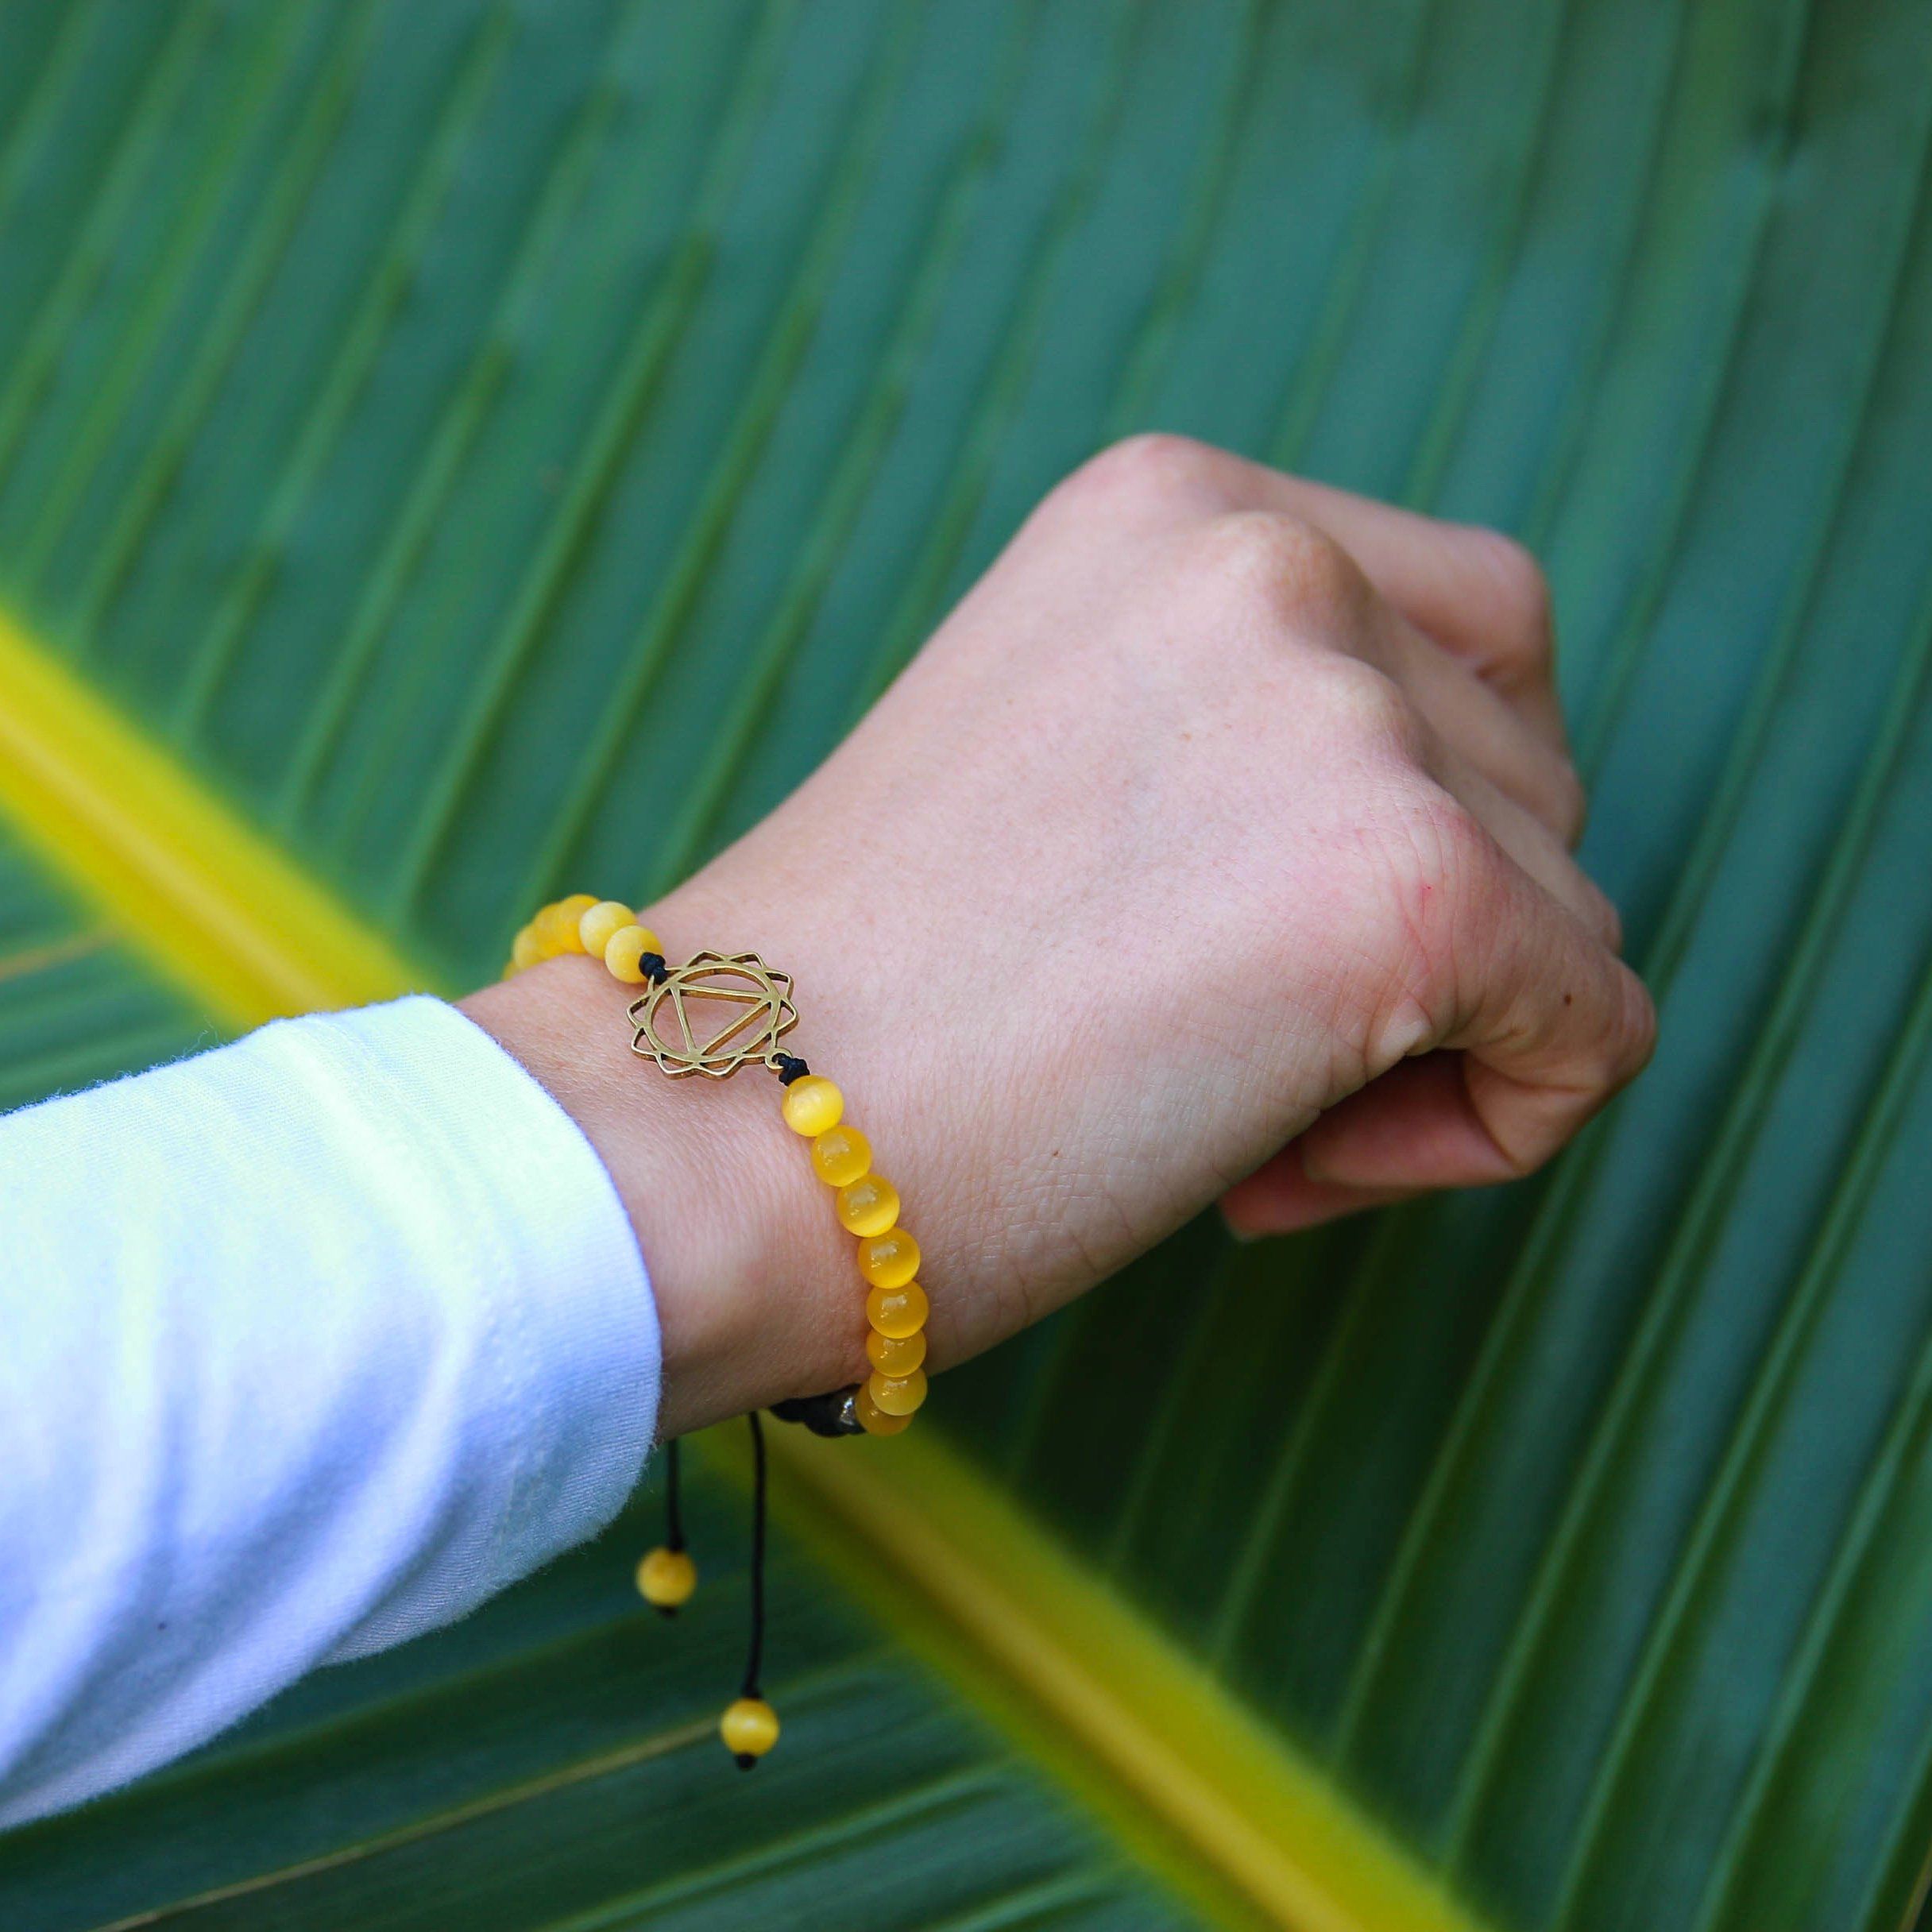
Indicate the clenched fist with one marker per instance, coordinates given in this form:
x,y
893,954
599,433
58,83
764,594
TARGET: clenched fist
x,y
1217,846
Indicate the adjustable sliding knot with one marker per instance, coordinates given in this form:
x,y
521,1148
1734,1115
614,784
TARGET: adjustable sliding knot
x,y
835,1414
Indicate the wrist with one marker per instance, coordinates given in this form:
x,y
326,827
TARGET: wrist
x,y
743,1259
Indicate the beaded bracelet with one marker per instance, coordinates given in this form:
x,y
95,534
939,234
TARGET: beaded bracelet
x,y
867,1205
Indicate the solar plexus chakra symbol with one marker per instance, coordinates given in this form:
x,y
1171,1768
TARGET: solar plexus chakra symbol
x,y
673,1030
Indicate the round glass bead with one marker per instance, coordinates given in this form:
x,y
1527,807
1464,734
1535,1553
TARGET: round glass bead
x,y
528,948
666,1577
596,926
624,948
556,925
874,1421
895,1354
841,1156
898,1395
890,1260
812,1105
897,1311
869,1206
749,1727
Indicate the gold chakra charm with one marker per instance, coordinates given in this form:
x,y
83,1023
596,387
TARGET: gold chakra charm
x,y
759,1014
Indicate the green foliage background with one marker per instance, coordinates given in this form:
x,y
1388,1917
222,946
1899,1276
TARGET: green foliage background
x,y
504,446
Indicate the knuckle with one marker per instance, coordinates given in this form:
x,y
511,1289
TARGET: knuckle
x,y
1435,859
1522,593
1155,470
1638,1029
1278,570
1444,843
1623,1046
1604,920
1351,703
1569,806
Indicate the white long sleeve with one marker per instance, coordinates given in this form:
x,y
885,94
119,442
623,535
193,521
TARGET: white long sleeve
x,y
307,1346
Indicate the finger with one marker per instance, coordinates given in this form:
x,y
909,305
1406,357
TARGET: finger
x,y
1550,1022
1415,1128
1280,1197
1490,732
1547,1026
1478,593
1533,845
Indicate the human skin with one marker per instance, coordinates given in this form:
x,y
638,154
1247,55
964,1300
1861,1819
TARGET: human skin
x,y
1216,847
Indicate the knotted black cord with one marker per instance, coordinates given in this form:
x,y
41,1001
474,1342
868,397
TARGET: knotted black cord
x,y
674,1515
755,1660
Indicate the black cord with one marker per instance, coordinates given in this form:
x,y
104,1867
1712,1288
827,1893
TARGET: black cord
x,y
753,1662
674,1515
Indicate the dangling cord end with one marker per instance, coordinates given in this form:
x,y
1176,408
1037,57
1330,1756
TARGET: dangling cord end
x,y
667,1576
750,1727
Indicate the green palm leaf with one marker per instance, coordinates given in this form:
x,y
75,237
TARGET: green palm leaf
x,y
498,446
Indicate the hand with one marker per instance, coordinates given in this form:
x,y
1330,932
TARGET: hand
x,y
1217,845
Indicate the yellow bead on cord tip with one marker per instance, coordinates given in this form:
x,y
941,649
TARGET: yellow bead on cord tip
x,y
841,1155
890,1260
556,925
869,1206
812,1105
596,926
750,1728
666,1578
624,948
898,1395
897,1311
895,1354
874,1421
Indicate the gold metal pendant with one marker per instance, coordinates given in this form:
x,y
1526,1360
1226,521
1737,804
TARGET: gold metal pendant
x,y
759,998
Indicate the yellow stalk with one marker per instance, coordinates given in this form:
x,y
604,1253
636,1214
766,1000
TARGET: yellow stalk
x,y
222,910
1137,1726
1269,1825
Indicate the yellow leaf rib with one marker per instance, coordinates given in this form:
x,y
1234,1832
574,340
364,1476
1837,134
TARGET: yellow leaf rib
x,y
1137,1727
222,909
910,1519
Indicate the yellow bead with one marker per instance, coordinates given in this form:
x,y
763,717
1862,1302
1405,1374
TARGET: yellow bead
x,y
898,1395
528,948
895,1354
666,1577
869,1206
556,925
812,1105
874,1421
596,926
624,948
750,1728
841,1155
890,1260
897,1311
